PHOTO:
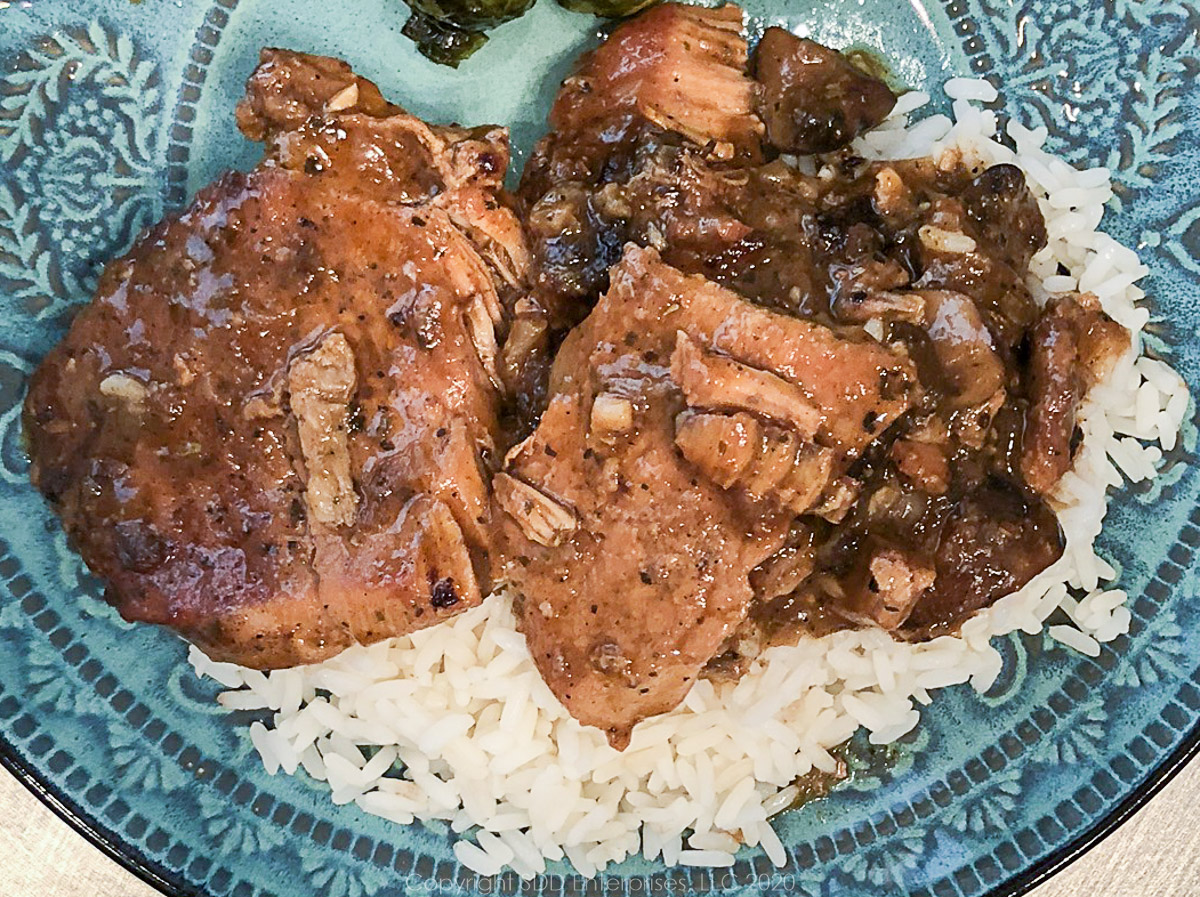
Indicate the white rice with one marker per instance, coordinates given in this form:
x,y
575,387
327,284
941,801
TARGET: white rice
x,y
468,732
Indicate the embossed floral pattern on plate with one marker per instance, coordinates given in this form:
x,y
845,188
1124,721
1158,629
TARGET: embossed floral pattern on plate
x,y
107,109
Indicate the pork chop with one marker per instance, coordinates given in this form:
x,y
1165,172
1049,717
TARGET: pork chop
x,y
270,430
630,541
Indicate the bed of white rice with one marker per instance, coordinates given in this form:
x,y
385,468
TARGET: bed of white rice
x,y
458,725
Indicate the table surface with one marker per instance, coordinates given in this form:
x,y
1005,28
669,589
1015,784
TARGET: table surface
x,y
1155,854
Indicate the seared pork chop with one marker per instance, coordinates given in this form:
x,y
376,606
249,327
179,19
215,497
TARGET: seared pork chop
x,y
271,428
628,536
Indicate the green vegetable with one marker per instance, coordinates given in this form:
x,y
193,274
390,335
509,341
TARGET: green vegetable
x,y
608,9
448,31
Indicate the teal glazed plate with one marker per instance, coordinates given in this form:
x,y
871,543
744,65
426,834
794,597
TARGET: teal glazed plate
x,y
113,113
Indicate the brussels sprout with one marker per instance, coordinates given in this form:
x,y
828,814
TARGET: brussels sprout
x,y
448,31
608,9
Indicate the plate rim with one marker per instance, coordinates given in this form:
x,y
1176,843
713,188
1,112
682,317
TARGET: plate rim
x,y
109,840
96,833
111,844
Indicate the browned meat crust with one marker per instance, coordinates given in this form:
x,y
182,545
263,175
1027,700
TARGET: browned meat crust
x,y
680,67
269,430
287,89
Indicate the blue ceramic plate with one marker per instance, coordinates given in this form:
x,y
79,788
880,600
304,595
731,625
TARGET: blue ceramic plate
x,y
112,113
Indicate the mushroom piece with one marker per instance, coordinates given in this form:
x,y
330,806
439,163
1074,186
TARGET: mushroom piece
x,y
719,383
887,588
764,460
1003,208
964,347
542,519
782,573
812,98
321,384
1074,344
859,307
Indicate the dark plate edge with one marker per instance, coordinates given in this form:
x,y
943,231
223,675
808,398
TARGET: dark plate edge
x,y
101,836
1042,870
171,884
